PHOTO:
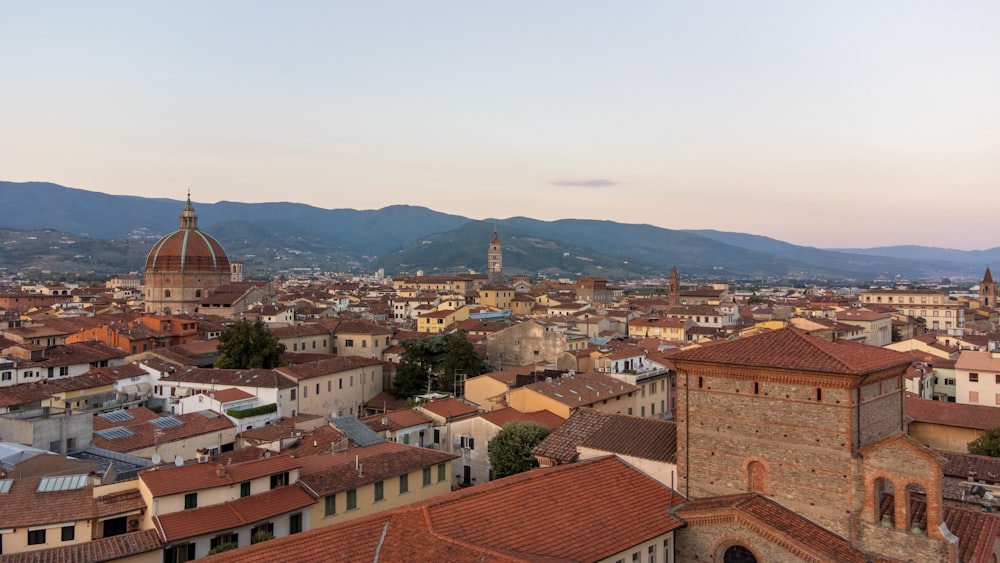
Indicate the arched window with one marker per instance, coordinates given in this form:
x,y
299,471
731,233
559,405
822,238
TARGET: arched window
x,y
885,502
166,293
738,554
197,293
756,477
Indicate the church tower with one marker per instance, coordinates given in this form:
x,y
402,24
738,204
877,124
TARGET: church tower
x,y
988,291
494,262
675,288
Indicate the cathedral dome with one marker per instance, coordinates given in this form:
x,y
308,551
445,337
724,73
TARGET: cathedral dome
x,y
187,249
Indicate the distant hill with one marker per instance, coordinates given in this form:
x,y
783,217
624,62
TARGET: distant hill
x,y
112,234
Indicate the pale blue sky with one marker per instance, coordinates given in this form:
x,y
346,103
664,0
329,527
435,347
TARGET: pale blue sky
x,y
824,123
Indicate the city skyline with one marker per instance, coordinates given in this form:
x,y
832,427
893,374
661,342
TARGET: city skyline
x,y
831,125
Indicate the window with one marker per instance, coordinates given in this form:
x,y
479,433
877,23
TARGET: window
x,y
179,553
427,476
6,376
293,394
997,379
305,391
68,533
352,499
652,554
245,489
36,537
974,397
330,505
227,538
64,370
973,377
166,293
295,523
349,343
340,383
442,474
949,381
437,435
317,388
279,480
379,490
819,394
190,501
404,483
467,443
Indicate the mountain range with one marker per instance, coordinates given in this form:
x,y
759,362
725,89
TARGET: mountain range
x,y
52,228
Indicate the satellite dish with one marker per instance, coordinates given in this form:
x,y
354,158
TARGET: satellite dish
x,y
157,459
178,460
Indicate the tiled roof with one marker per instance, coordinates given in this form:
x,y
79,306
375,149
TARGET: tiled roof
x,y
398,535
395,420
448,408
23,505
142,434
962,465
751,508
24,393
646,438
118,503
167,480
94,551
791,348
584,508
230,377
330,473
582,389
976,530
500,417
335,364
978,361
231,394
233,514
121,372
979,417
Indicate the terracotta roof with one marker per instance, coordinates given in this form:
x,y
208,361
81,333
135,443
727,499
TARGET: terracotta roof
x,y
231,394
397,535
584,508
753,510
167,480
336,472
122,372
582,389
960,415
24,393
335,364
962,465
118,503
233,514
24,506
646,438
230,377
976,530
94,551
448,408
395,420
142,434
978,361
500,417
791,348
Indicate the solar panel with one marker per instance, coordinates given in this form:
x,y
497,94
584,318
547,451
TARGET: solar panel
x,y
62,483
116,416
356,431
166,422
115,433
5,485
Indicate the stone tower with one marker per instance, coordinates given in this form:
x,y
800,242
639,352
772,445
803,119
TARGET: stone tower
x,y
816,426
494,263
675,288
988,291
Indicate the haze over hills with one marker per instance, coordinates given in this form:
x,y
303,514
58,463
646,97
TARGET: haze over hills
x,y
111,235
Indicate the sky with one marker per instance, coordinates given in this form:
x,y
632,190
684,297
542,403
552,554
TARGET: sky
x,y
829,124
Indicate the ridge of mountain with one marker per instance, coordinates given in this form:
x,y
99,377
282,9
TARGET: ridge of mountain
x,y
271,237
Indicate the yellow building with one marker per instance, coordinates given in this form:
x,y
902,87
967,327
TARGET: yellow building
x,y
563,395
935,307
439,321
361,481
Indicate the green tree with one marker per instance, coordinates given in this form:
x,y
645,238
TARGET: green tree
x,y
459,358
248,345
510,450
988,443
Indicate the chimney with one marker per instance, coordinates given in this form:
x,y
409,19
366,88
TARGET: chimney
x,y
220,471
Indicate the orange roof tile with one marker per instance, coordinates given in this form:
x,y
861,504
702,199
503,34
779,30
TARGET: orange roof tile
x,y
499,417
233,514
791,348
980,417
335,472
167,480
94,551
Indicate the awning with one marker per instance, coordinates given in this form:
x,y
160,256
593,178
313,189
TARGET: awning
x,y
130,389
145,387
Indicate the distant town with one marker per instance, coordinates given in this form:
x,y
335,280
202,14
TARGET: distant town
x,y
184,410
